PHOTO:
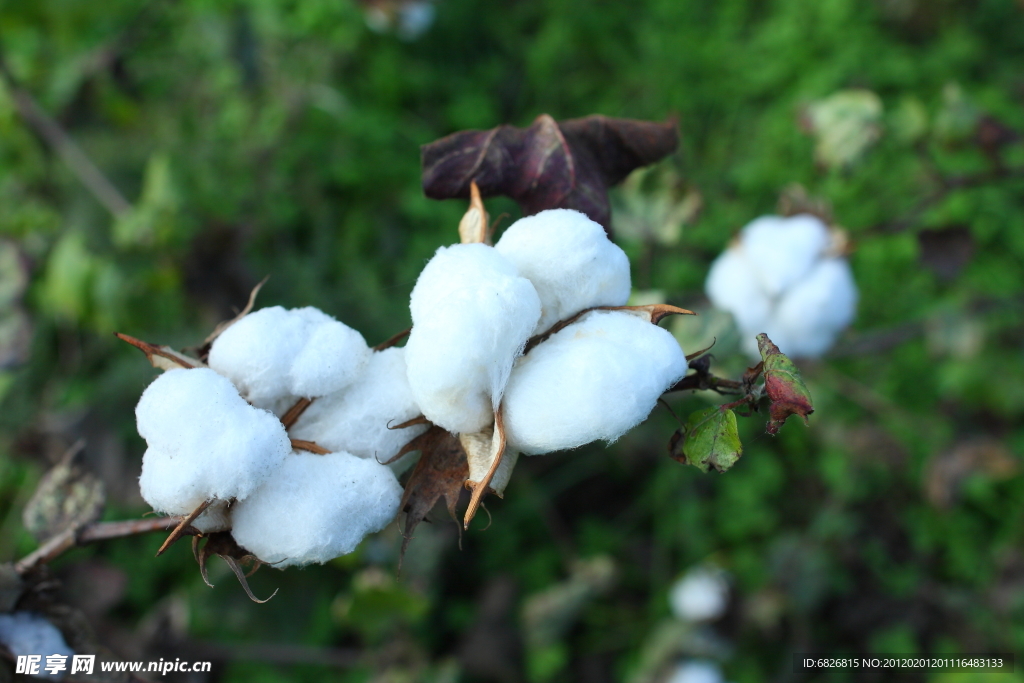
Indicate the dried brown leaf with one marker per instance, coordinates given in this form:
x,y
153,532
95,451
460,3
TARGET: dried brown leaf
x,y
569,164
440,473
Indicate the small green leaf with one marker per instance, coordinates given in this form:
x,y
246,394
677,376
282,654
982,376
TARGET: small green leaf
x,y
709,439
783,384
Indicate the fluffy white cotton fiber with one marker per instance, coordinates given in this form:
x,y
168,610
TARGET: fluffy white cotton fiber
x,y
275,353
570,261
27,633
777,278
702,594
472,314
204,440
594,379
315,508
356,418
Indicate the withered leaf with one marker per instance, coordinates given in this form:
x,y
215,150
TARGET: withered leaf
x,y
550,165
783,384
440,473
68,496
709,439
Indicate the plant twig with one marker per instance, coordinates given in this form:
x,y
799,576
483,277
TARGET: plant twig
x,y
57,138
91,533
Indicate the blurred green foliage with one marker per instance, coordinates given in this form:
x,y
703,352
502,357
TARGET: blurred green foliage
x,y
280,137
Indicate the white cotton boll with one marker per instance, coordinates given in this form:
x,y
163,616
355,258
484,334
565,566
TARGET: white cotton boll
x,y
570,261
595,379
697,671
276,353
27,633
702,594
733,286
816,309
315,508
356,419
471,314
782,250
204,440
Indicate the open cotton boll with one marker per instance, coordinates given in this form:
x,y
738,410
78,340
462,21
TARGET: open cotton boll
x,y
356,419
782,250
275,353
594,379
315,508
696,671
702,594
472,314
570,261
27,633
204,440
732,286
817,308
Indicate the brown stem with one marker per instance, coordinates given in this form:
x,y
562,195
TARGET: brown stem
x,y
392,340
309,446
91,533
295,412
706,382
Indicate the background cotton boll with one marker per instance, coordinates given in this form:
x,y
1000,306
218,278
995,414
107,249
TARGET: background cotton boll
x,y
782,250
594,379
732,286
27,633
570,261
204,441
815,310
472,315
702,594
315,508
356,418
696,671
276,353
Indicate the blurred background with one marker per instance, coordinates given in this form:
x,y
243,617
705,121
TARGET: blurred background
x,y
160,157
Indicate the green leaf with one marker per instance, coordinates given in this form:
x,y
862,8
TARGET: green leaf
x,y
709,439
783,384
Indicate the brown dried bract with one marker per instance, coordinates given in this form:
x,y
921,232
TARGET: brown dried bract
x,y
224,546
550,165
440,473
162,357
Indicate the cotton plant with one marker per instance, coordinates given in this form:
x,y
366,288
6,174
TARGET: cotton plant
x,y
272,445
527,346
786,277
280,440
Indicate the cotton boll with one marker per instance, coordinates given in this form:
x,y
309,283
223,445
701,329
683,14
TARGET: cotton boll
x,y
472,315
702,594
204,440
783,250
595,379
570,261
356,419
697,671
733,286
27,633
315,508
816,309
276,353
